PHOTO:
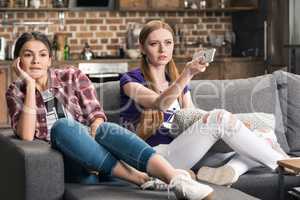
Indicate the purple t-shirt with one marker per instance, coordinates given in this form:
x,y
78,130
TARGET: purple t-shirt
x,y
131,111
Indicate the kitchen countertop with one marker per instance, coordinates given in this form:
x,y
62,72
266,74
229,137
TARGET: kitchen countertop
x,y
128,60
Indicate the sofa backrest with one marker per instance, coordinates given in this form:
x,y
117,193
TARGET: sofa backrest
x,y
237,96
288,85
109,96
257,94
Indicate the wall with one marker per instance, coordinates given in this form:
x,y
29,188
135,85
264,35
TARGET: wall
x,y
294,22
105,31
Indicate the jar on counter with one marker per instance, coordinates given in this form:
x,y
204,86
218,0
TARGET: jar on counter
x,y
202,4
87,53
35,3
58,3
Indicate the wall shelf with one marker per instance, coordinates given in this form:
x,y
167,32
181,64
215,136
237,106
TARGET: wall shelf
x,y
33,9
229,9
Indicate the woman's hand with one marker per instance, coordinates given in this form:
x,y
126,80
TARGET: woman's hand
x,y
150,122
195,66
20,72
96,123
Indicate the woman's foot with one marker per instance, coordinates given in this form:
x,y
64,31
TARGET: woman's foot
x,y
224,175
154,184
185,187
159,185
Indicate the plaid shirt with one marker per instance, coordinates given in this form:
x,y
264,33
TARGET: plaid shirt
x,y
72,89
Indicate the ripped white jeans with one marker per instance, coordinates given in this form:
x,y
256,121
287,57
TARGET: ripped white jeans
x,y
190,146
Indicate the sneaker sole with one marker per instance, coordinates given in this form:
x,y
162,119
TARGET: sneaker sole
x,y
219,176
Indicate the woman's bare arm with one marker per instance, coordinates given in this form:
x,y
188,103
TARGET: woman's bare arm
x,y
27,122
150,99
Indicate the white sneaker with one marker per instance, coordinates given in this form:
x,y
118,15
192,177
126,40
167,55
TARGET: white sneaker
x,y
224,175
159,185
155,184
185,187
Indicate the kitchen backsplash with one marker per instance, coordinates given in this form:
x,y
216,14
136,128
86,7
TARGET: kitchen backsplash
x,y
106,31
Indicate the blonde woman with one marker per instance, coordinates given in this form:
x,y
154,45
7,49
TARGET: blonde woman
x,y
151,94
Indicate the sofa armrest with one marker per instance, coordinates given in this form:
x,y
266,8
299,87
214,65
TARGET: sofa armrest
x,y
29,170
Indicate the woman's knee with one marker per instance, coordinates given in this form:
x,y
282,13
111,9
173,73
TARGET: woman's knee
x,y
107,128
221,117
60,128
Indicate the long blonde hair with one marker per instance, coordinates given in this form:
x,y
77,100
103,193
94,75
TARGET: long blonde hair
x,y
171,70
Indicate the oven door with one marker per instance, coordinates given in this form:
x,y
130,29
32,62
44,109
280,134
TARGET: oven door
x,y
103,72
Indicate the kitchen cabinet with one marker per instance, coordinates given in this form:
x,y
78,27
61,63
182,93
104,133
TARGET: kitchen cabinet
x,y
33,9
180,5
229,68
150,5
132,4
5,77
166,4
221,68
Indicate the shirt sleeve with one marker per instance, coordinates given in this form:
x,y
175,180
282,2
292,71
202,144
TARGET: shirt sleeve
x,y
89,103
132,76
186,89
15,102
137,77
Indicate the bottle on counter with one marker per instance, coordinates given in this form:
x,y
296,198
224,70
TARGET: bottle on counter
x,y
66,50
87,53
121,52
129,37
54,49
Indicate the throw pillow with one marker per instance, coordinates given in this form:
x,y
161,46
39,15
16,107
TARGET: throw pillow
x,y
288,85
184,118
255,94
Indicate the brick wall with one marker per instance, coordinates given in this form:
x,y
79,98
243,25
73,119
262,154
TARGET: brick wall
x,y
105,31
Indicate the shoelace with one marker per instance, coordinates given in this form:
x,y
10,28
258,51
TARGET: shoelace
x,y
160,185
181,178
154,184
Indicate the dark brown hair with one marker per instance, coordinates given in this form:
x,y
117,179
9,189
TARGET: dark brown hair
x,y
27,36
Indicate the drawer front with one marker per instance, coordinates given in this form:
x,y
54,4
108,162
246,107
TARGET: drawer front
x,y
166,4
133,4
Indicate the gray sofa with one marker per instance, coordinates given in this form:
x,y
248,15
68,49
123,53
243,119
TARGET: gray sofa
x,y
34,171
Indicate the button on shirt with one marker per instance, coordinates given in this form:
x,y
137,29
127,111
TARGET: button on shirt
x,y
70,87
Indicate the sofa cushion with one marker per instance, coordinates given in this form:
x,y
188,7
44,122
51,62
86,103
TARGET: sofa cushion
x,y
29,169
123,191
288,88
257,94
184,118
263,184
109,96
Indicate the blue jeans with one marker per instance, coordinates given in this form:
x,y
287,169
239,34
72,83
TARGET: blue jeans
x,y
82,153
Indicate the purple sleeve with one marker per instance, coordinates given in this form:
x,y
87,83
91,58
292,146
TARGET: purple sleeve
x,y
132,76
136,76
186,89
